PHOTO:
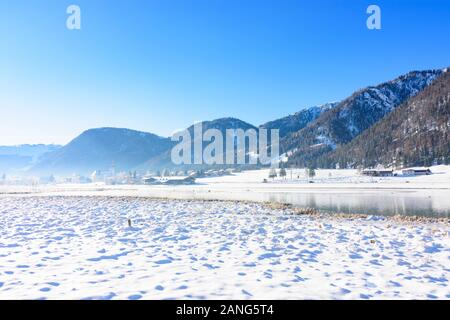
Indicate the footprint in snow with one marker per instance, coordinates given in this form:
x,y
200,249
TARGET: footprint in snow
x,y
355,256
344,291
183,287
53,284
376,263
247,293
434,248
164,261
395,284
250,264
267,256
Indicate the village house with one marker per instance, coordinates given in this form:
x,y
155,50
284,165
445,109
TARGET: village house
x,y
416,172
378,173
169,180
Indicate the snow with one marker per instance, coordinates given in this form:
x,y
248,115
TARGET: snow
x,y
54,247
341,190
73,241
324,140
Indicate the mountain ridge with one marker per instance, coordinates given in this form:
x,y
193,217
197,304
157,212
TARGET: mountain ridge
x,y
415,133
309,136
221,124
353,115
298,120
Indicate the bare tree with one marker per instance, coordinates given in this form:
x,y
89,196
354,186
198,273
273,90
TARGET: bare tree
x,y
272,173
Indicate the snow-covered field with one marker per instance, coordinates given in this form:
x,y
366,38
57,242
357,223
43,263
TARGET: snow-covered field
x,y
339,177
54,247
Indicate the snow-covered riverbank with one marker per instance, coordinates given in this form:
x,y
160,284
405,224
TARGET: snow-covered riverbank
x,y
333,191
82,247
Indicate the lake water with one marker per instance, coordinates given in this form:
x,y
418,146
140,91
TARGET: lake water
x,y
430,203
412,202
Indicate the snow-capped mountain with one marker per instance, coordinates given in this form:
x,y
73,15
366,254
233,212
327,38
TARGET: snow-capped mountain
x,y
353,115
415,133
101,149
298,120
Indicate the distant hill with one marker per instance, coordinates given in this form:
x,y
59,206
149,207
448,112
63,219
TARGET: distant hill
x,y
28,150
222,124
352,116
13,164
17,159
416,133
100,149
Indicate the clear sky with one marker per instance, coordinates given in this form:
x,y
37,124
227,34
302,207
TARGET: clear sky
x,y
160,65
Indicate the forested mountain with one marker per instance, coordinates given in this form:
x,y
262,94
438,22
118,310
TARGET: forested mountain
x,y
352,116
222,124
299,120
416,133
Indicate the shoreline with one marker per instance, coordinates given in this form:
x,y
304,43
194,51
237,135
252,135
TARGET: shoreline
x,y
287,208
333,191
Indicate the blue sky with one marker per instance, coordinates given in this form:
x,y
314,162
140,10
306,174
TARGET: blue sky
x,y
160,65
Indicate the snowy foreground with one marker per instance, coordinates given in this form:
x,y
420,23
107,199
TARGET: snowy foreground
x,y
54,247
